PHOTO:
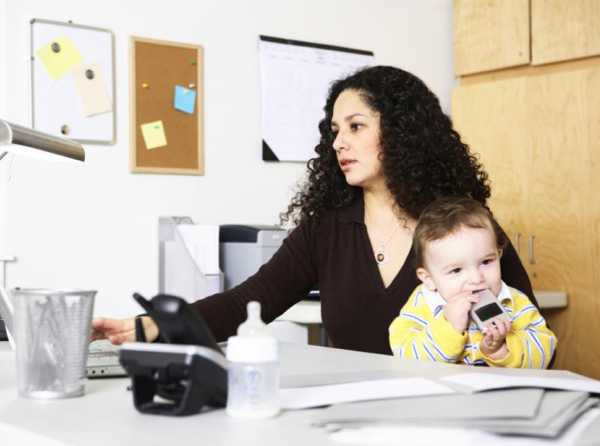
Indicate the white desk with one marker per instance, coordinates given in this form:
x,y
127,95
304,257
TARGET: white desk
x,y
106,416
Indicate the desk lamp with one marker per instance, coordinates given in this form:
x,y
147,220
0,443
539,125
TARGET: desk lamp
x,y
23,136
12,134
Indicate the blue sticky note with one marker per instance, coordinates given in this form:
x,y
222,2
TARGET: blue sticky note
x,y
185,99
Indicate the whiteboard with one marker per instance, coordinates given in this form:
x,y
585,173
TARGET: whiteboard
x,y
61,104
295,79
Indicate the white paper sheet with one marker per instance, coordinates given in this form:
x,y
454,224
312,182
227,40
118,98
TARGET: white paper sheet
x,y
305,397
202,242
488,381
427,435
295,80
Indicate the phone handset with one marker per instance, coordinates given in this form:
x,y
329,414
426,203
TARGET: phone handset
x,y
177,322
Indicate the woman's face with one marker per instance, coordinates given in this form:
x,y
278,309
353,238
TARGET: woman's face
x,y
357,143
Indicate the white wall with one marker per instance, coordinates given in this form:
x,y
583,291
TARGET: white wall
x,y
94,225
3,165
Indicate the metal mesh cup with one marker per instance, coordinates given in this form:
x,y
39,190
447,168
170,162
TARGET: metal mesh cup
x,y
52,334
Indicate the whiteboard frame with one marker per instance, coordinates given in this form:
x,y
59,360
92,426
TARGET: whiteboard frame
x,y
302,148
111,86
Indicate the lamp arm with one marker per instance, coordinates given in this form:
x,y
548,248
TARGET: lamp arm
x,y
15,134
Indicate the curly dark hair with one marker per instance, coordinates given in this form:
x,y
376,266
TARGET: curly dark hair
x,y
423,158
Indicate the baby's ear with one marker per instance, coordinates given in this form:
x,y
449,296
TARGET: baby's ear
x,y
425,277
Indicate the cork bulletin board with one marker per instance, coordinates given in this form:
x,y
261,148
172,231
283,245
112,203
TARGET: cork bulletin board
x,y
166,107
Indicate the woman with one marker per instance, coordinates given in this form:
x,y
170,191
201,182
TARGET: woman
x,y
386,151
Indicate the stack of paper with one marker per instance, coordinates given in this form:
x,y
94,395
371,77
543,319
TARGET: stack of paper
x,y
305,397
407,398
530,412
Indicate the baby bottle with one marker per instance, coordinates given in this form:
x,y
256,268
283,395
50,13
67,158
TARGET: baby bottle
x,y
253,375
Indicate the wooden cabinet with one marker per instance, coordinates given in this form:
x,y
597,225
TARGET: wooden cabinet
x,y
538,134
490,34
497,34
564,30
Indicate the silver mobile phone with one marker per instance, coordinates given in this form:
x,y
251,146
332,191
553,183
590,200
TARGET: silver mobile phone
x,y
487,310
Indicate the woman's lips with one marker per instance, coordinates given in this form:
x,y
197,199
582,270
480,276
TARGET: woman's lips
x,y
346,164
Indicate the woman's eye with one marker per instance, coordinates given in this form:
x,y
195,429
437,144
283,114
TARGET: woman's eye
x,y
355,126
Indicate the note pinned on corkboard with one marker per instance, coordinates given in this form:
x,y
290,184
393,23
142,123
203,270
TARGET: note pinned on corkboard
x,y
175,146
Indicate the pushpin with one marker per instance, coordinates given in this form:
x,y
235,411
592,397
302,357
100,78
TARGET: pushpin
x,y
145,85
191,85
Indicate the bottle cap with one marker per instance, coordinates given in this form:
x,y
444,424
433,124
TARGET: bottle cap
x,y
253,342
253,325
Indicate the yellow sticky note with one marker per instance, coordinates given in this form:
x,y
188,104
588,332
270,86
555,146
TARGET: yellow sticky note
x,y
154,134
59,57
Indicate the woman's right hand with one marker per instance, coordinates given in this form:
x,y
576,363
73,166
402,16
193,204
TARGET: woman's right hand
x,y
118,331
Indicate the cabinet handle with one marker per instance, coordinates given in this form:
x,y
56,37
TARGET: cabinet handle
x,y
518,242
531,249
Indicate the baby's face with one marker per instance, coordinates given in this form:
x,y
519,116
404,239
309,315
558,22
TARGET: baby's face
x,y
466,260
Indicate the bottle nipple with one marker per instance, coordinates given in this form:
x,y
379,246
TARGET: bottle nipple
x,y
253,326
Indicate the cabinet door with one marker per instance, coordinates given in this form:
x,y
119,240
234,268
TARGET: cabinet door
x,y
490,118
563,30
490,34
563,210
538,138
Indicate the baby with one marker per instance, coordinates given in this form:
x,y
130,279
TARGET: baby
x,y
458,247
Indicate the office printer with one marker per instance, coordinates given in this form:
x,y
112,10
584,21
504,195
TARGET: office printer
x,y
243,249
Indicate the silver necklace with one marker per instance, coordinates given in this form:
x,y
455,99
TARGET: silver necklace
x,y
381,256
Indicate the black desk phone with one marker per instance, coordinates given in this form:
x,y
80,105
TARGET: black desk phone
x,y
185,371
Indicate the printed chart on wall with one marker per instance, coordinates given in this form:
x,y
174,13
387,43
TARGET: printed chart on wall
x,y
72,81
166,107
295,79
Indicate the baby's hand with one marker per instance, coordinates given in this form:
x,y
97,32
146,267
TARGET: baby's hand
x,y
493,343
457,309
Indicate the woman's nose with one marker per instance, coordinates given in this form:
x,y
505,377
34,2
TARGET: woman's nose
x,y
339,142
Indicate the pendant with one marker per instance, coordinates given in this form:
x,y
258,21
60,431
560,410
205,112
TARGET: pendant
x,y
380,257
